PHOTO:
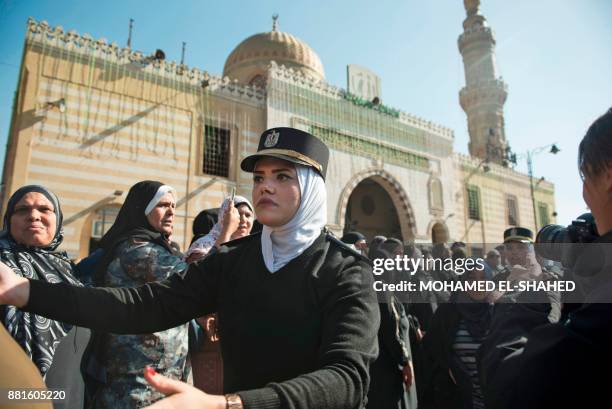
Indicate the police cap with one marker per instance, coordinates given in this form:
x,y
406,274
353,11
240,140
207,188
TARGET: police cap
x,y
292,145
520,234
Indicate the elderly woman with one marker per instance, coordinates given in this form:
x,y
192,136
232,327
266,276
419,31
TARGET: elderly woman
x,y
32,233
299,316
137,250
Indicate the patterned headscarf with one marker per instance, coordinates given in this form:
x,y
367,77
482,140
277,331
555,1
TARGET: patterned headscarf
x,y
37,335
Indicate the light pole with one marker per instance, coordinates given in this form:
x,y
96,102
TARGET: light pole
x,y
554,149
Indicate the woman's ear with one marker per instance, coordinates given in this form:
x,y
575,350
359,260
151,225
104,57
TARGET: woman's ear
x,y
607,179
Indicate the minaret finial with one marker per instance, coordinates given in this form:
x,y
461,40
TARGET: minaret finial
x,y
275,22
471,6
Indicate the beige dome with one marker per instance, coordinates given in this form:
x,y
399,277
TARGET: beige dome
x,y
248,62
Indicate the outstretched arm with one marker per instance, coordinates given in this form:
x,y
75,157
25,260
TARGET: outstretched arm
x,y
146,309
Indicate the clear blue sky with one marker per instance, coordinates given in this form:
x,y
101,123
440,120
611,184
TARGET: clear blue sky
x,y
555,56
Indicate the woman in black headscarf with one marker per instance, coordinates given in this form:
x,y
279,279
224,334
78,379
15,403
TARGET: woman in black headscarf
x,y
137,250
32,232
132,222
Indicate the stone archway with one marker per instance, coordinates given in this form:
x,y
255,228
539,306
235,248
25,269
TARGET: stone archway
x,y
380,179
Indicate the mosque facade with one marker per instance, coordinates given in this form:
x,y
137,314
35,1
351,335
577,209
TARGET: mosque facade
x,y
92,118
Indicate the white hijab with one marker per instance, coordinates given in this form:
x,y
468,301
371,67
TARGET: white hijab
x,y
280,245
161,192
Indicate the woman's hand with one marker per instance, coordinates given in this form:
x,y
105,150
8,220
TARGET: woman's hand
x,y
408,374
14,290
193,257
231,219
211,329
180,395
230,223
209,325
532,271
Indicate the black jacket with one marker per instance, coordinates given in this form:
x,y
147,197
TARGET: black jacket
x,y
447,383
387,389
303,337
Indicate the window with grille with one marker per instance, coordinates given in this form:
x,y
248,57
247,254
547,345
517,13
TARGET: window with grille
x,y
473,202
512,211
216,152
543,211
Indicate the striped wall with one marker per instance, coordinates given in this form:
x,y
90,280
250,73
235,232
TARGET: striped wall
x,y
112,136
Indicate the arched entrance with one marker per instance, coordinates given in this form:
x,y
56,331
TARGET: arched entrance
x,y
371,211
394,202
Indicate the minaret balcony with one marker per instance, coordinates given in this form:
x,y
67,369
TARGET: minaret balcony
x,y
474,35
483,92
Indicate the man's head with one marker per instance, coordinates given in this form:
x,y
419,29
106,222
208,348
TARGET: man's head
x,y
518,242
457,244
595,166
493,259
502,254
426,252
375,243
459,253
357,240
440,251
393,247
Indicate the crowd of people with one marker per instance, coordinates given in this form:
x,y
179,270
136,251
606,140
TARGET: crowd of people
x,y
290,309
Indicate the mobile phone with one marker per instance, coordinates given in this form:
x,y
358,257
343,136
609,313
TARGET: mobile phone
x,y
233,195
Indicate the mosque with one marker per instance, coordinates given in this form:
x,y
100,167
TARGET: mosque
x,y
91,118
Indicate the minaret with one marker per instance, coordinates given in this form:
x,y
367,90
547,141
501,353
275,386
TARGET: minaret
x,y
484,94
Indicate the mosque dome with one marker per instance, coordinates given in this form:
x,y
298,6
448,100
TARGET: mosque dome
x,y
248,62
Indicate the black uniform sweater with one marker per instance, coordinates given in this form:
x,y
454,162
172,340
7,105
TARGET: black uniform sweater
x,y
302,337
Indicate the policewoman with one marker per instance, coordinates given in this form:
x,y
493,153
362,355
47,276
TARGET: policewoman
x,y
297,313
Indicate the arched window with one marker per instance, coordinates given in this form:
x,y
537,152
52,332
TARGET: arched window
x,y
513,216
436,201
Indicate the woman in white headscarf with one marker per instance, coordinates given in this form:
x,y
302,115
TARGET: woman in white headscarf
x,y
298,313
232,225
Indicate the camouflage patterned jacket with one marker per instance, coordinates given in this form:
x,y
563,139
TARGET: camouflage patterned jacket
x,y
126,356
